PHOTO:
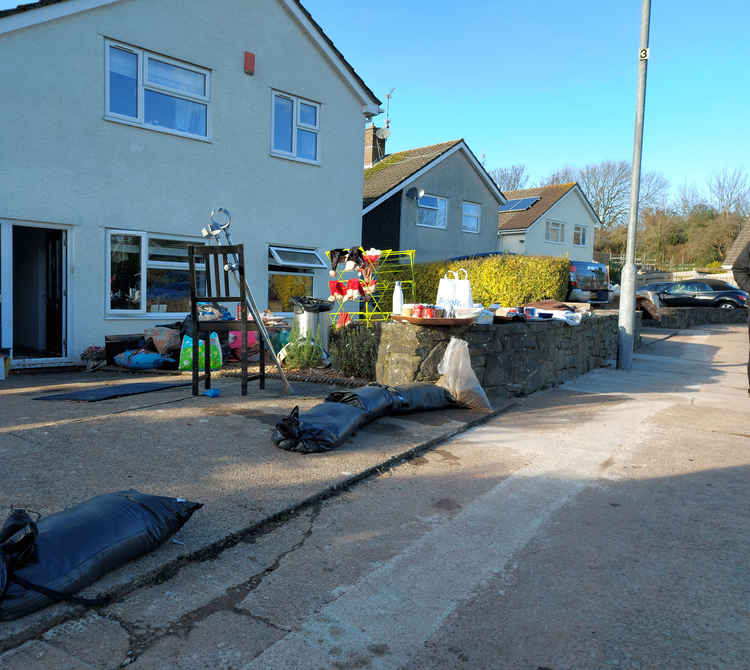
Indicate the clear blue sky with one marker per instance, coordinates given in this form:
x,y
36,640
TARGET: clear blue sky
x,y
548,83
545,83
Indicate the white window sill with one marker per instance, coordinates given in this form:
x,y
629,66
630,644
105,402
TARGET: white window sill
x,y
466,230
424,225
295,159
553,242
157,129
578,245
161,316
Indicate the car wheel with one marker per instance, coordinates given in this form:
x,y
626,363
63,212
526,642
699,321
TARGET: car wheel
x,y
727,305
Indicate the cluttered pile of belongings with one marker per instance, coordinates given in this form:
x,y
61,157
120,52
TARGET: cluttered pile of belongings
x,y
170,347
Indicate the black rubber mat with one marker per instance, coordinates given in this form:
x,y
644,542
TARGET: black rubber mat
x,y
108,392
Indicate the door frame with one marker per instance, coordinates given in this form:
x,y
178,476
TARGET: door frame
x,y
6,284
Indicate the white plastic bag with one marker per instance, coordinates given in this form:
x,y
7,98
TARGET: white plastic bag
x,y
463,297
459,377
446,293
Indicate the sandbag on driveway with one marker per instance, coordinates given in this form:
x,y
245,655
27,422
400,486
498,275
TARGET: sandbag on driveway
x,y
374,399
322,428
74,548
420,398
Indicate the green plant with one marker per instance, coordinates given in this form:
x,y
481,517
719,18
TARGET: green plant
x,y
303,352
354,349
509,280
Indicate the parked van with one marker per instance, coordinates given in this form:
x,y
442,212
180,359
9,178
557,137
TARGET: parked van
x,y
589,282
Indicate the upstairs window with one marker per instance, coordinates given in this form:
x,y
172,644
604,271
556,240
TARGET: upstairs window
x,y
579,236
470,216
295,126
432,211
555,232
156,92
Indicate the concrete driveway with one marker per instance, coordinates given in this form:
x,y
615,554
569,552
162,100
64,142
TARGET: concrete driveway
x,y
601,524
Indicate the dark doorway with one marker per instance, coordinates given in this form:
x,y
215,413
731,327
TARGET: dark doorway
x,y
38,292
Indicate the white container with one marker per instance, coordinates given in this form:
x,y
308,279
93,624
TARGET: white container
x,y
398,299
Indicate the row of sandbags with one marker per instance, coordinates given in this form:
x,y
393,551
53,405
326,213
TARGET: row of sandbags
x,y
328,425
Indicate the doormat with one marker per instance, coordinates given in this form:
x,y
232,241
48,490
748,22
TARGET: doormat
x,y
108,392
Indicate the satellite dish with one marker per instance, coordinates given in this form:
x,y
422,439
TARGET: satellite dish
x,y
383,133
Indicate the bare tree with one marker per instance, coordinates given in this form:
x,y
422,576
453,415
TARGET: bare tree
x,y
564,175
730,192
607,187
511,178
688,198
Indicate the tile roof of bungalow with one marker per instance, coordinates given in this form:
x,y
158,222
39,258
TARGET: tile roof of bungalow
x,y
548,196
396,170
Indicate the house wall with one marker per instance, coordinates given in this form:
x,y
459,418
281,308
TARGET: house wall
x,y
511,243
455,179
571,210
61,162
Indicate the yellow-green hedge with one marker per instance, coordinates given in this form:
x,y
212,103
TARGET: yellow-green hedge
x,y
509,280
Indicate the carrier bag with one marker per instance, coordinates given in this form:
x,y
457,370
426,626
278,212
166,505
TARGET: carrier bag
x,y
463,299
52,559
186,352
374,399
322,428
419,398
446,293
459,377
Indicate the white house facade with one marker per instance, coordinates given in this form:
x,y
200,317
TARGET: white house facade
x,y
552,220
126,122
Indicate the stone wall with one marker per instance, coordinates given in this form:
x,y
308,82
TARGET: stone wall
x,y
678,318
511,358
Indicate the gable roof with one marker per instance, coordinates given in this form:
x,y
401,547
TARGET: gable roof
x,y
548,196
739,244
295,7
396,171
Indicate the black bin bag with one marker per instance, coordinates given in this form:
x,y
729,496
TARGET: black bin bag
x,y
65,552
322,428
420,398
374,399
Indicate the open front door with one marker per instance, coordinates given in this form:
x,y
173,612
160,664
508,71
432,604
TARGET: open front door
x,y
39,294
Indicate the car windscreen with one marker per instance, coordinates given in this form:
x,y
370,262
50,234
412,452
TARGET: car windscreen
x,y
591,276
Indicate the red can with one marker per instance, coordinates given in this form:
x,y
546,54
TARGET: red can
x,y
430,312
418,311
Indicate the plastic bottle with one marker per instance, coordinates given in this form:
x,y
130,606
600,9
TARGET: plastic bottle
x,y
398,298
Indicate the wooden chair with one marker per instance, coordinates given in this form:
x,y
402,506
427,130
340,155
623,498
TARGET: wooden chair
x,y
216,288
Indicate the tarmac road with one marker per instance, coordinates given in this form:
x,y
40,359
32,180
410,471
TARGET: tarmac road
x,y
604,524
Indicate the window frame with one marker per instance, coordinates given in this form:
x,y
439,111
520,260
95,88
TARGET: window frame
x,y
143,84
437,209
144,236
297,101
273,248
478,216
561,225
579,228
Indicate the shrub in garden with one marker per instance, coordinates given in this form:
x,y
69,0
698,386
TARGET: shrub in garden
x,y
507,279
354,349
303,353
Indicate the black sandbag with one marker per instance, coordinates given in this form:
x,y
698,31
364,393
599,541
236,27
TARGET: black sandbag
x,y
374,399
322,428
76,547
420,398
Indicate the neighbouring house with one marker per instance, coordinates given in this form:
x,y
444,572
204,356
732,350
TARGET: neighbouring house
x,y
734,251
549,220
438,200
125,122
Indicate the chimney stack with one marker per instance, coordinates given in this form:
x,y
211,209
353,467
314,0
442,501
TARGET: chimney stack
x,y
374,146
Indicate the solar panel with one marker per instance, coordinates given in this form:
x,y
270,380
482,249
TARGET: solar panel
x,y
518,205
508,206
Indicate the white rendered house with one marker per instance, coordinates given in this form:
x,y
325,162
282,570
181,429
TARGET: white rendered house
x,y
129,120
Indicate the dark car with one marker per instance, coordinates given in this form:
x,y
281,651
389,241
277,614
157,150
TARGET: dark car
x,y
703,293
589,282
655,287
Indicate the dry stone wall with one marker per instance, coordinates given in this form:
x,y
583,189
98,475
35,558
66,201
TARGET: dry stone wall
x,y
680,318
514,358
